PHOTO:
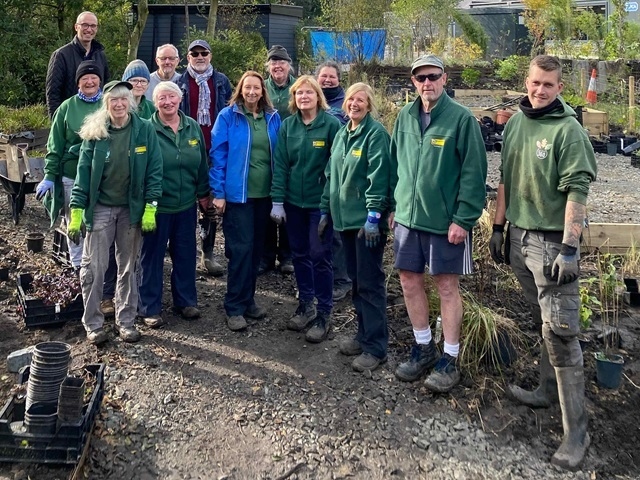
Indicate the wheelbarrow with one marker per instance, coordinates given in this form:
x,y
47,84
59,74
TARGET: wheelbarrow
x,y
19,176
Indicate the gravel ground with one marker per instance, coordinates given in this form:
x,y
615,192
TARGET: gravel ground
x,y
196,401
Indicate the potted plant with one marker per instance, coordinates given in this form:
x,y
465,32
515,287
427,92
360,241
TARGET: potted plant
x,y
609,364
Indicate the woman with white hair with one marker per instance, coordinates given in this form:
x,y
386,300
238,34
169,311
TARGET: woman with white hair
x,y
115,195
185,178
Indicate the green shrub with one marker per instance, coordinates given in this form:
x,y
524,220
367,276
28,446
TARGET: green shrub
x,y
470,76
513,68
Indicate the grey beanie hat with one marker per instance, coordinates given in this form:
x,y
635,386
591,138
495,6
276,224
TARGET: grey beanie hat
x,y
278,52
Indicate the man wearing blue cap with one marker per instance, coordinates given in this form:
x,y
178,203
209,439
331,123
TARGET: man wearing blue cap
x,y
205,92
440,193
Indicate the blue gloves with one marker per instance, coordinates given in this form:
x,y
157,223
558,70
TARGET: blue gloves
x,y
371,230
43,187
566,268
278,214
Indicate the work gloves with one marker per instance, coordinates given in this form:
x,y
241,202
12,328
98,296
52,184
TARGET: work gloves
x,y
43,187
566,267
75,227
278,214
496,243
371,230
148,224
323,224
207,208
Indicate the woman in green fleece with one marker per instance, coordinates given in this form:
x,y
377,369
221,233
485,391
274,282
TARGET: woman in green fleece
x,y
302,153
185,178
356,199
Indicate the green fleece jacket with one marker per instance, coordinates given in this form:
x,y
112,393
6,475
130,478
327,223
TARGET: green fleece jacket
x,y
545,162
145,169
63,144
358,176
279,96
146,108
439,177
185,171
302,153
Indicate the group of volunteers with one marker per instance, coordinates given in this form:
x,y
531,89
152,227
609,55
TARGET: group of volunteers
x,y
300,170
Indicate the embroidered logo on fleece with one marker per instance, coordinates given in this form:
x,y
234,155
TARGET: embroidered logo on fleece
x,y
193,142
543,149
437,142
356,152
318,144
141,149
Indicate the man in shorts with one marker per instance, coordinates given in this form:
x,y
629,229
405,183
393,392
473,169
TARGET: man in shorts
x,y
439,196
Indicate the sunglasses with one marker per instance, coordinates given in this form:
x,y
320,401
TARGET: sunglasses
x,y
432,77
197,54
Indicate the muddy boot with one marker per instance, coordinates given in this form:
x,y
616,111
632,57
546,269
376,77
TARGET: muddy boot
x,y
211,265
574,418
546,393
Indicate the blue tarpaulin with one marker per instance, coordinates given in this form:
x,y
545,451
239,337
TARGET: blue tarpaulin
x,y
348,47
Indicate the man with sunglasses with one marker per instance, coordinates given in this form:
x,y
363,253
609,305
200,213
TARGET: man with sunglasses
x,y
439,195
63,64
205,92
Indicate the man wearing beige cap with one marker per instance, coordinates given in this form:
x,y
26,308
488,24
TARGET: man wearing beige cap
x,y
439,195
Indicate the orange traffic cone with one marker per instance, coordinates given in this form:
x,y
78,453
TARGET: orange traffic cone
x,y
592,96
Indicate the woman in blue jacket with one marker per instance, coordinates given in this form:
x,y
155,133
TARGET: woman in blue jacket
x,y
243,142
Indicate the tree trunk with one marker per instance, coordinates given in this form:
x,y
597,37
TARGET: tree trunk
x,y
134,40
213,16
187,24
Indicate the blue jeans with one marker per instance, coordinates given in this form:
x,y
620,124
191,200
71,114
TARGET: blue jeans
x,y
368,293
244,226
311,258
179,230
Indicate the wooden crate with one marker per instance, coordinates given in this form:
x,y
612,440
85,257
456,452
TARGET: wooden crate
x,y
610,237
595,121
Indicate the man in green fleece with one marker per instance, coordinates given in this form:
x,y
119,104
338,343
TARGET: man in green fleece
x,y
547,166
440,193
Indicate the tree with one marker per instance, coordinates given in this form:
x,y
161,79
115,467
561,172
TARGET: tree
x,y
536,19
212,18
136,35
428,21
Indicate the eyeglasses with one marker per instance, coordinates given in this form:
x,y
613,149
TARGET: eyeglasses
x,y
138,82
92,26
432,77
197,54
164,59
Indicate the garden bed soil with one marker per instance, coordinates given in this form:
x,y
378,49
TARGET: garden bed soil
x,y
196,401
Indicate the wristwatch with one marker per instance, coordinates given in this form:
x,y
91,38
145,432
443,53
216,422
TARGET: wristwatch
x,y
153,204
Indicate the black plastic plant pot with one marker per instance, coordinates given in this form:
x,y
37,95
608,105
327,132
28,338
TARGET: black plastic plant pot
x,y
609,370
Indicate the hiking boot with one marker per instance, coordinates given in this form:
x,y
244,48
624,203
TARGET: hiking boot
x,y
107,307
153,321
286,267
423,358
340,292
188,313
445,375
320,328
265,267
256,312
305,314
547,391
350,347
236,323
365,361
97,336
128,334
211,265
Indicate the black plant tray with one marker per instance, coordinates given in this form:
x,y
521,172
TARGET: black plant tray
x,y
65,446
60,250
37,314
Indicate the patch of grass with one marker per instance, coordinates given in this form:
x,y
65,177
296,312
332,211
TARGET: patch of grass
x,y
31,117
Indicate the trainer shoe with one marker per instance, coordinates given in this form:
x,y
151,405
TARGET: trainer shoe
x,y
256,312
423,357
350,347
153,321
286,267
320,328
236,322
445,375
188,313
107,307
341,291
304,316
128,334
365,361
97,336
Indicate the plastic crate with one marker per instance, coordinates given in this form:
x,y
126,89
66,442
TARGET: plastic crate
x,y
60,249
65,446
37,314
